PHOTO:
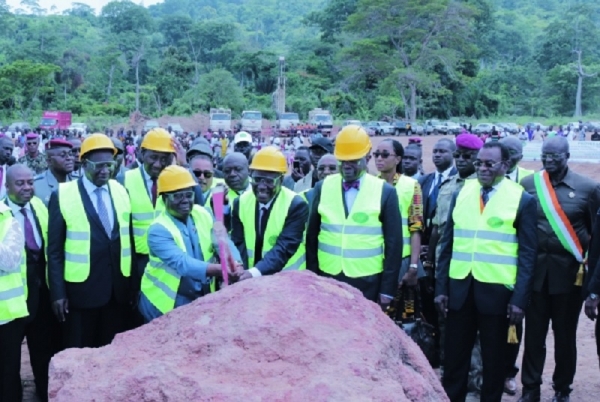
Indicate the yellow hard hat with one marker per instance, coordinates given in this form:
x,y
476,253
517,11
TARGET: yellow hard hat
x,y
174,178
95,142
159,140
269,159
352,143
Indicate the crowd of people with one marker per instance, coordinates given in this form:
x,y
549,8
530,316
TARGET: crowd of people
x,y
105,233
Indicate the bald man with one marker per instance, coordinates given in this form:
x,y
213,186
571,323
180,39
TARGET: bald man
x,y
326,166
236,173
40,327
77,171
6,150
556,289
515,148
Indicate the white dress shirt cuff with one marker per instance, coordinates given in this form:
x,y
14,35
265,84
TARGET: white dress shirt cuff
x,y
254,272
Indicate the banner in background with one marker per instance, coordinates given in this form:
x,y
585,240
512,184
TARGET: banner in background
x,y
581,151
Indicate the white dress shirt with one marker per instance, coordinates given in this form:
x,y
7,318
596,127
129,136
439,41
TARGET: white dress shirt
x,y
16,210
514,175
350,195
3,181
91,190
444,175
253,271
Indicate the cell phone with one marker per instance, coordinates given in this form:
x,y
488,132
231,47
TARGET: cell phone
x,y
296,165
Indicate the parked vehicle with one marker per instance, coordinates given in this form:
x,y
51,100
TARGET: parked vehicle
x,y
369,130
321,118
285,122
80,128
417,128
483,128
381,127
401,127
435,126
251,121
55,120
175,128
511,128
18,126
535,125
355,122
452,127
220,119
151,124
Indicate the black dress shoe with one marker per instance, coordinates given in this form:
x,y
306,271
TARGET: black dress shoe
x,y
561,397
530,396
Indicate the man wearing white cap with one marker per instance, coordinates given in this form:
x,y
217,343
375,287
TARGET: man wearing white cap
x,y
242,142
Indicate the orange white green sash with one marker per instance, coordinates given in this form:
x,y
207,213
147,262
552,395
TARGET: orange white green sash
x,y
556,216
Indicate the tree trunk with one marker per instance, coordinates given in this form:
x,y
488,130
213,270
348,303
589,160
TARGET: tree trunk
x,y
578,96
110,81
137,86
413,101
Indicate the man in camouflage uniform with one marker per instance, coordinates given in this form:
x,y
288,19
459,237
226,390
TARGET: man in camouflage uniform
x,y
33,158
467,146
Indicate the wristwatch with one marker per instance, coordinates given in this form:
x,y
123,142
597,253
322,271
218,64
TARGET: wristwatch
x,y
593,296
411,266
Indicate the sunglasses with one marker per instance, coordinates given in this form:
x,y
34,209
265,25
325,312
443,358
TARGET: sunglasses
x,y
180,196
383,155
322,168
206,173
98,166
464,155
486,164
268,181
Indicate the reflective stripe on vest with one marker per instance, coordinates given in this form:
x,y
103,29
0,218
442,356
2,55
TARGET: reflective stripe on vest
x,y
13,301
41,212
78,238
160,282
405,187
354,244
142,211
485,244
277,216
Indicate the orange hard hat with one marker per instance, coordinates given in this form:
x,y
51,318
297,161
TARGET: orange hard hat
x,y
96,142
352,143
269,159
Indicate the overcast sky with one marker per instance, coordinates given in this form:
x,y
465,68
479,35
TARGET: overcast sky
x,y
66,4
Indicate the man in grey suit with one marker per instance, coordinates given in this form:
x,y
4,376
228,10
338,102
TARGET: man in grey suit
x,y
60,166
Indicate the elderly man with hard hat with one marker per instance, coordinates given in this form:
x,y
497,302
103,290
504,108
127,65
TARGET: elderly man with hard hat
x,y
181,246
157,152
90,250
268,222
354,229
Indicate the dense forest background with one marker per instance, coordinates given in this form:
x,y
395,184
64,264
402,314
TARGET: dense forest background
x,y
359,58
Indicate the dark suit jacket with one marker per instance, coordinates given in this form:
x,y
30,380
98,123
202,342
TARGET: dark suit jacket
x,y
592,279
426,182
288,240
492,298
579,198
392,233
105,279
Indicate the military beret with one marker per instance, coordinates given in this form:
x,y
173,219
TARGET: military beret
x,y
469,141
58,143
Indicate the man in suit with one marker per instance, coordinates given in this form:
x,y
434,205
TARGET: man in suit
x,y
515,148
40,326
6,150
592,285
268,222
485,272
556,291
60,166
76,143
90,248
354,233
237,180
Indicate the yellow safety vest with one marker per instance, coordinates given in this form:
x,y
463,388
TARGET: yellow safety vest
x,y
13,286
142,211
354,244
215,183
42,214
405,187
78,241
160,282
279,212
522,173
485,244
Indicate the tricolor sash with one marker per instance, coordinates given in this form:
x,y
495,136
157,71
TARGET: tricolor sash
x,y
556,216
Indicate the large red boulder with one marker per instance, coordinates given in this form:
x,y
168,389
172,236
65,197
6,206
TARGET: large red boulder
x,y
288,337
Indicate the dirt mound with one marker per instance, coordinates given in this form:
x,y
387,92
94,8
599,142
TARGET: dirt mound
x,y
289,337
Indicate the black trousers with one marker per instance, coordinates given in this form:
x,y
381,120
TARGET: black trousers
x,y
95,327
11,336
461,330
598,336
512,353
563,310
368,285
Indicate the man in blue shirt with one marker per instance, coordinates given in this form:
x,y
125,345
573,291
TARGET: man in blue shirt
x,y
182,248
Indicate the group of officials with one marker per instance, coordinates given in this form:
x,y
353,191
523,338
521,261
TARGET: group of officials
x,y
108,250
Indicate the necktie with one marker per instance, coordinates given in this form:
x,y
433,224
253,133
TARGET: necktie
x,y
351,184
102,211
434,192
485,194
263,220
153,190
29,235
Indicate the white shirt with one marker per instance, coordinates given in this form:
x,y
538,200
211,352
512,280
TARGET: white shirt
x,y
91,190
445,174
514,175
253,271
3,181
16,210
494,190
350,195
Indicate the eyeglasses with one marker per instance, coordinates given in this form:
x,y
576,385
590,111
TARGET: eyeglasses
x,y
206,173
552,157
486,164
180,196
384,155
354,162
32,143
98,166
322,168
268,181
464,155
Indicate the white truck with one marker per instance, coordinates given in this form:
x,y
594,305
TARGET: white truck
x,y
322,119
220,119
251,121
285,121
